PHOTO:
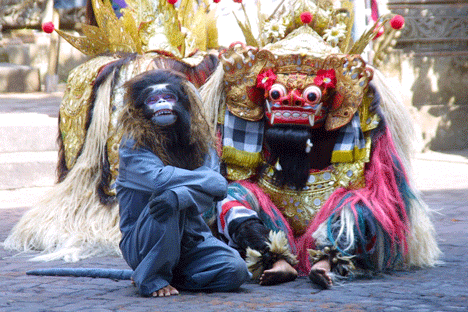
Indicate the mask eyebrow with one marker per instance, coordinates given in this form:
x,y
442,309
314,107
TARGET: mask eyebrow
x,y
160,88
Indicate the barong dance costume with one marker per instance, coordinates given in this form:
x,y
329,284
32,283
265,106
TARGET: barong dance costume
x,y
298,95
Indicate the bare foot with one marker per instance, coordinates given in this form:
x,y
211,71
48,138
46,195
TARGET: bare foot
x,y
280,272
319,274
166,292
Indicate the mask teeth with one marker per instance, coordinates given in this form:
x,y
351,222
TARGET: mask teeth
x,y
268,105
272,119
319,108
311,120
309,145
278,166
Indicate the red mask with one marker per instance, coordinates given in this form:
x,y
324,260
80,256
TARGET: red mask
x,y
295,99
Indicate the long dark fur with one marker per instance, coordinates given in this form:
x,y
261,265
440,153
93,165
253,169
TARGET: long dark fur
x,y
184,144
250,232
103,188
287,145
195,74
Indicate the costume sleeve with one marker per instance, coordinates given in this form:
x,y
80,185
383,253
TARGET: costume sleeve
x,y
141,170
212,161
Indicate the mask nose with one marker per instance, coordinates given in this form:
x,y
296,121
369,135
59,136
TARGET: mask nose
x,y
294,98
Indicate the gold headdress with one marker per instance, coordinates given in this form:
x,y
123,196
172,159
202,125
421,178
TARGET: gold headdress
x,y
290,42
148,25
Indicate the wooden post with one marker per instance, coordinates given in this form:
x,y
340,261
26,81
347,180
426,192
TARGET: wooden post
x,y
51,77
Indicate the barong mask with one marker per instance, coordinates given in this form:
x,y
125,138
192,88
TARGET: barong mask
x,y
290,84
295,99
302,69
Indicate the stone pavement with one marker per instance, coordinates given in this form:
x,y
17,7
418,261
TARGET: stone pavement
x,y
441,177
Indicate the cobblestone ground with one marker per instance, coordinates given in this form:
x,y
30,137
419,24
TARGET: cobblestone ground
x,y
442,288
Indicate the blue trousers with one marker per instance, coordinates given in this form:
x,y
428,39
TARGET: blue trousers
x,y
172,251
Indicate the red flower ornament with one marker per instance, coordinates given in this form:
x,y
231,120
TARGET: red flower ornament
x,y
325,78
172,1
237,1
266,79
216,1
48,27
306,17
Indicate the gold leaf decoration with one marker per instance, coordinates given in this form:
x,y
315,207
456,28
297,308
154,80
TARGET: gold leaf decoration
x,y
147,25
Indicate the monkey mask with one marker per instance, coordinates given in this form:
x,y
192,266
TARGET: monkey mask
x,y
163,112
159,105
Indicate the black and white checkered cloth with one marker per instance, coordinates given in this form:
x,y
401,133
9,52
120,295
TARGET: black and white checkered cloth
x,y
247,136
351,136
243,135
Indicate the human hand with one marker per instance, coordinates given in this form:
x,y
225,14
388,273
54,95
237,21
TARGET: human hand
x,y
164,205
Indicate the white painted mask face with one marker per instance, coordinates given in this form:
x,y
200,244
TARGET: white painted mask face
x,y
159,105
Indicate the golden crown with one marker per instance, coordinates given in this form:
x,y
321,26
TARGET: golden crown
x,y
148,25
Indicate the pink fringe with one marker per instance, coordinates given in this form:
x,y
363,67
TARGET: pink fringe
x,y
381,195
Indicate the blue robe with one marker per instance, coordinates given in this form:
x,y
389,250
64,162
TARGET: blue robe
x,y
179,250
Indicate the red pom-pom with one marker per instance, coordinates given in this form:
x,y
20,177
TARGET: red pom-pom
x,y
216,1
306,17
48,27
238,1
172,1
397,22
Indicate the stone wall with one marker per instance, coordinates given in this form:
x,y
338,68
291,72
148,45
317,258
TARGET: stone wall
x,y
17,14
22,42
431,62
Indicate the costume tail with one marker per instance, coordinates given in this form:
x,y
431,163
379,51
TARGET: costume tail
x,y
84,272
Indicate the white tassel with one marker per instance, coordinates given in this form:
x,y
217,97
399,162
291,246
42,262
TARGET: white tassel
x,y
70,222
212,95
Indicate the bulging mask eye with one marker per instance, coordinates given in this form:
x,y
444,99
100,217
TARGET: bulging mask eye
x,y
277,91
312,95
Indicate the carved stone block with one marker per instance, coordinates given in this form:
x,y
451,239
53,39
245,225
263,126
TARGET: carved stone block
x,y
431,62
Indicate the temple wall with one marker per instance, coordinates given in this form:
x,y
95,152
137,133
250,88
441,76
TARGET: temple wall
x,y
430,60
22,42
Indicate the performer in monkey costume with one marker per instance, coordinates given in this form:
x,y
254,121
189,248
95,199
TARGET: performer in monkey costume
x,y
167,178
316,150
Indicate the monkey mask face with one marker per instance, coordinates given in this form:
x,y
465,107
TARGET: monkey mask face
x,y
163,112
159,105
